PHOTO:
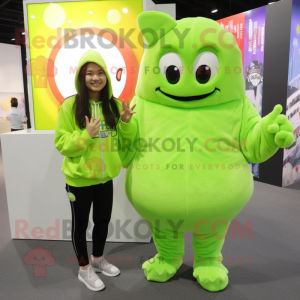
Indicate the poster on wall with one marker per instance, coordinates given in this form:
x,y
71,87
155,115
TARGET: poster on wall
x,y
235,24
291,156
59,33
254,61
249,31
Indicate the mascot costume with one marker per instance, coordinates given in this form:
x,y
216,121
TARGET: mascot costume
x,y
187,169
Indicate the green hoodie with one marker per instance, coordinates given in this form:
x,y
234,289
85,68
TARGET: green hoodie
x,y
89,161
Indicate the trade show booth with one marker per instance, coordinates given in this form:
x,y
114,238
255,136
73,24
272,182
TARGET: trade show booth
x,y
37,201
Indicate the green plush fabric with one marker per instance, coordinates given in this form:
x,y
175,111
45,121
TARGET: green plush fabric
x,y
187,170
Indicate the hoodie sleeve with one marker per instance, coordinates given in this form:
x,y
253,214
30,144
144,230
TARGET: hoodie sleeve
x,y
69,141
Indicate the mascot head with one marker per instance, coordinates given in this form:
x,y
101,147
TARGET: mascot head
x,y
189,63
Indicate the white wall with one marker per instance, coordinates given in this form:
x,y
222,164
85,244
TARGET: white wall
x,y
11,78
148,5
166,8
169,9
11,83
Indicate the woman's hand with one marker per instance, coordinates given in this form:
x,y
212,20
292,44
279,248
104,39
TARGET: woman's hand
x,y
91,127
127,112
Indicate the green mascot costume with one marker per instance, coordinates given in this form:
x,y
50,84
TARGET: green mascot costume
x,y
187,170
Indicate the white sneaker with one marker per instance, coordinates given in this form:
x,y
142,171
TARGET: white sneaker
x,y
90,279
100,264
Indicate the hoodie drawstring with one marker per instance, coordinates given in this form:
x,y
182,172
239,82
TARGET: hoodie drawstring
x,y
99,133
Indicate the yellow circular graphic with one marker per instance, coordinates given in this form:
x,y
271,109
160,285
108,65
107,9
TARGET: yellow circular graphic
x,y
113,16
54,16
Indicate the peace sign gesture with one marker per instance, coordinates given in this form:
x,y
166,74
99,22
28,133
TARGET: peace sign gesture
x,y
127,112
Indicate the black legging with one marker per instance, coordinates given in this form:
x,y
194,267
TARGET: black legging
x,y
101,195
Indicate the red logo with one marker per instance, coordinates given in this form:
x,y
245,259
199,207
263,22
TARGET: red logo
x,y
39,258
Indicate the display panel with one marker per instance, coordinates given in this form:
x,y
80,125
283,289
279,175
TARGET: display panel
x,y
235,24
249,31
291,157
59,33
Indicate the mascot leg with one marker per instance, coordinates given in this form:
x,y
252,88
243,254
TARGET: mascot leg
x,y
170,248
208,268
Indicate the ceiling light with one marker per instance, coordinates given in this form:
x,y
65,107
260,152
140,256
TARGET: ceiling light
x,y
213,8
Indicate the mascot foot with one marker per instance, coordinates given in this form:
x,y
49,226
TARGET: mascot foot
x,y
212,278
160,269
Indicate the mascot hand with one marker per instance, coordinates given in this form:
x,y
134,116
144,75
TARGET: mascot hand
x,y
281,127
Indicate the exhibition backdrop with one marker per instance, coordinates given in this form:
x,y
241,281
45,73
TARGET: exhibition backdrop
x,y
59,33
249,31
56,44
291,159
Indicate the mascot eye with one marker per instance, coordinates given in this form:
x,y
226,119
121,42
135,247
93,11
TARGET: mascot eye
x,y
203,74
172,74
169,65
205,67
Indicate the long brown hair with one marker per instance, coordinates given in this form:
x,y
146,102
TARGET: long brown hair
x,y
81,104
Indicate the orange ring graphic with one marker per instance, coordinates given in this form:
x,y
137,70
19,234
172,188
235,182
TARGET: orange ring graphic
x,y
131,62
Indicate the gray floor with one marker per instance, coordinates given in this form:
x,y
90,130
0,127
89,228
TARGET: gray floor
x,y
273,273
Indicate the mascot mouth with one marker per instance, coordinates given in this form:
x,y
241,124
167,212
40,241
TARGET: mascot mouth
x,y
190,98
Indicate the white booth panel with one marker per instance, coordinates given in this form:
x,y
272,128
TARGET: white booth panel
x,y
11,77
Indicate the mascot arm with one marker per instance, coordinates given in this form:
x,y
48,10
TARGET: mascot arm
x,y
127,147
260,138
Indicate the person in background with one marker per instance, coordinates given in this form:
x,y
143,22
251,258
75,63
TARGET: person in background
x,y
16,116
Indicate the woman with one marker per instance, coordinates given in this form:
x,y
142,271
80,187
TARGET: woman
x,y
91,159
